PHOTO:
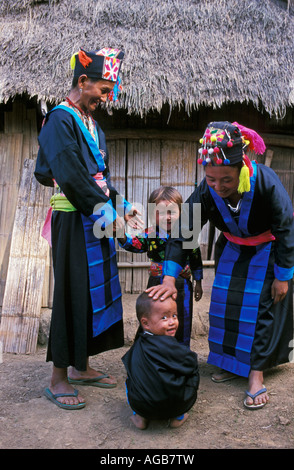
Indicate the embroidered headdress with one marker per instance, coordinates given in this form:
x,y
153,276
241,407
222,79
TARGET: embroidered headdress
x,y
100,64
224,143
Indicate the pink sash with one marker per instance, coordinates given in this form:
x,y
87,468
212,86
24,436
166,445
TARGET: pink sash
x,y
251,241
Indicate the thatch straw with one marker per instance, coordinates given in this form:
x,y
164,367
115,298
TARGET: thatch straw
x,y
181,52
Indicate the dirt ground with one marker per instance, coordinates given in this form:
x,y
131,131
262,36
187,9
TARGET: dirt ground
x,y
218,420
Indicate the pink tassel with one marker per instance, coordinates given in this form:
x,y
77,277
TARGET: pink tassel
x,y
249,164
256,142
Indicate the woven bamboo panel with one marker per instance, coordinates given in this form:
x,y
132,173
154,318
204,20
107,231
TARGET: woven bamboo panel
x,y
11,150
26,269
117,167
142,178
178,166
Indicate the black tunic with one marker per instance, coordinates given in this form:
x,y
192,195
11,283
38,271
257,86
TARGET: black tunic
x,y
269,209
163,377
65,156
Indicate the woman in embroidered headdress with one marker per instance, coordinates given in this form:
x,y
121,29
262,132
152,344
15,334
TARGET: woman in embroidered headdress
x,y
87,308
251,310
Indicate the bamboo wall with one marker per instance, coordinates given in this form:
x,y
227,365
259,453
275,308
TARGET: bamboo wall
x,y
25,256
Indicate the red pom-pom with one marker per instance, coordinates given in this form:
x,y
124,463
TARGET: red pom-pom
x,y
204,152
199,161
230,144
216,150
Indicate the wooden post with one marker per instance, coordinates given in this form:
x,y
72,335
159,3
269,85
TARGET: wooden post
x,y
26,269
268,157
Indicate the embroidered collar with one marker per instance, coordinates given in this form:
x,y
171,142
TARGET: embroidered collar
x,y
71,103
85,117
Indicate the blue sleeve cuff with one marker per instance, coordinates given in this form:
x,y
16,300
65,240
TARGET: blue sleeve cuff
x,y
170,268
283,274
103,217
197,274
122,205
127,206
104,214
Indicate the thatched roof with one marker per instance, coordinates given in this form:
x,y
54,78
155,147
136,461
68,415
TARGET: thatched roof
x,y
181,52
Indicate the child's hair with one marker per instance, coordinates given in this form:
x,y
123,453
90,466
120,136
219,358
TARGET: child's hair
x,y
143,305
166,193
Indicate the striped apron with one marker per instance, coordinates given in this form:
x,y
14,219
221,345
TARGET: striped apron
x,y
236,289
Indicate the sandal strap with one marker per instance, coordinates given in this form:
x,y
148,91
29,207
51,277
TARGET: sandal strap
x,y
94,379
262,390
59,395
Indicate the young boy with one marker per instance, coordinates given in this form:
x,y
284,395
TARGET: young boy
x,y
163,375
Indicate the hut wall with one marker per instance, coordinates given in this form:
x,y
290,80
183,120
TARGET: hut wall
x,y
25,258
18,142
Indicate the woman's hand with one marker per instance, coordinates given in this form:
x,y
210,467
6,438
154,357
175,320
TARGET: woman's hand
x,y
118,227
198,291
133,220
164,290
279,290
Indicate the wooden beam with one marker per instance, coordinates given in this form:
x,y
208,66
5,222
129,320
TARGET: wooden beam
x,y
277,140
138,264
269,154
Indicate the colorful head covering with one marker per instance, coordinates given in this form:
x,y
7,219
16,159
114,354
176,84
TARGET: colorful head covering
x,y
100,64
224,143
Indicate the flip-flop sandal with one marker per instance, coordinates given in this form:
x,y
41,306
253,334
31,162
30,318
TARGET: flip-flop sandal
x,y
225,379
65,406
253,406
95,381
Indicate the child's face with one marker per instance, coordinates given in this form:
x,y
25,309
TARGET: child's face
x,y
163,320
167,213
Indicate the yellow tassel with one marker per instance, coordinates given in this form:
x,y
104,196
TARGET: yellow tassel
x,y
73,61
244,180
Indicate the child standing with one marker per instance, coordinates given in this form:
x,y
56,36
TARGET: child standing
x,y
153,240
162,374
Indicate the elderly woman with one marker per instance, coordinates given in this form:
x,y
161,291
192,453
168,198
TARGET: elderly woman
x,y
87,308
251,311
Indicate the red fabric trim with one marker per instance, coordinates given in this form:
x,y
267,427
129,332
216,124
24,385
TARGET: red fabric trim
x,y
251,241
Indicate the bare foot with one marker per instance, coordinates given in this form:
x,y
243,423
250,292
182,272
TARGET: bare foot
x,y
139,421
176,423
256,384
59,384
223,376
